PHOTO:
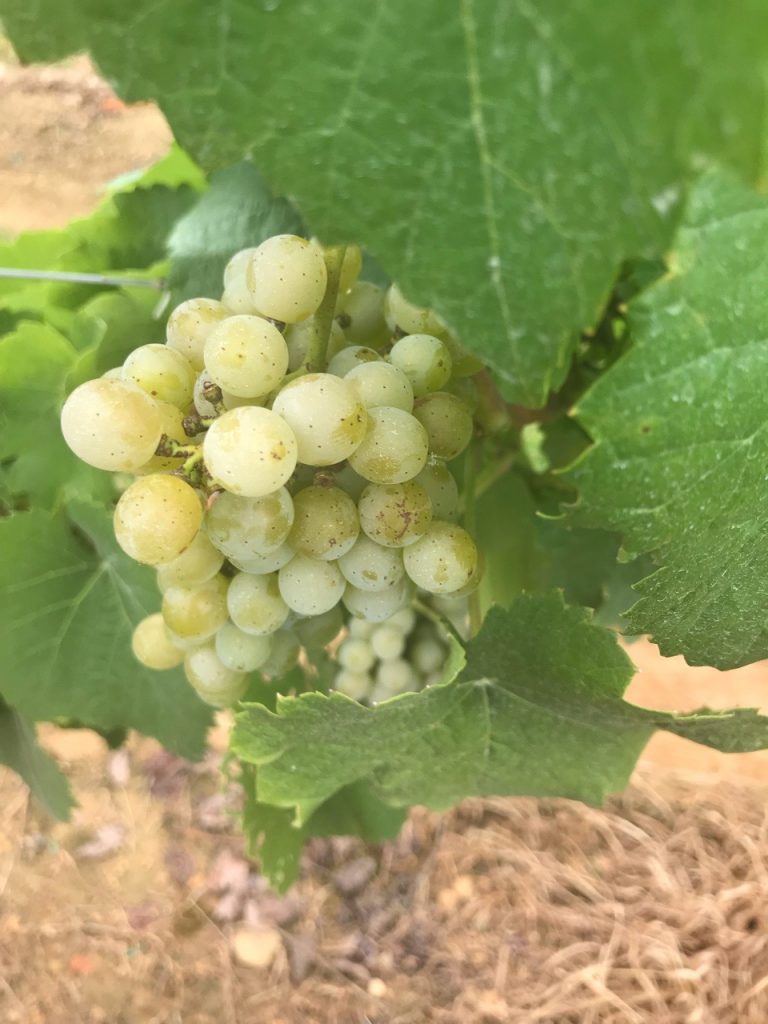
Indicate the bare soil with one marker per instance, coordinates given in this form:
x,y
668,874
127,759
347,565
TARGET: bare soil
x,y
143,910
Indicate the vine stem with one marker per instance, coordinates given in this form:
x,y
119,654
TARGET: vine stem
x,y
78,278
317,354
470,524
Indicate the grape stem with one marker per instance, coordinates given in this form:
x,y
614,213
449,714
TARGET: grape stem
x,y
316,358
174,449
109,280
470,524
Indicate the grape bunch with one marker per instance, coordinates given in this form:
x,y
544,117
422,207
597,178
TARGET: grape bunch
x,y
287,447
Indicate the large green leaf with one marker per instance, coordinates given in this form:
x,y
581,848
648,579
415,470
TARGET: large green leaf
x,y
19,750
679,464
499,159
70,600
537,710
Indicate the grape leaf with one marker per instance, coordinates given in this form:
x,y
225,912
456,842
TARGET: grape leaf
x,y
500,160
70,601
681,438
237,211
19,750
542,685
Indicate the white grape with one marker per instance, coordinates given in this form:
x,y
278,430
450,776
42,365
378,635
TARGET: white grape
x,y
424,359
350,357
395,676
162,372
361,628
428,655
394,449
447,421
284,655
356,655
298,338
152,646
320,630
213,681
310,586
111,424
356,685
242,652
236,296
440,484
157,518
190,324
246,356
255,604
408,317
326,417
444,560
362,310
395,515
369,566
287,278
380,384
404,620
250,451
236,267
245,528
387,642
326,523
260,565
194,614
195,565
378,606
203,405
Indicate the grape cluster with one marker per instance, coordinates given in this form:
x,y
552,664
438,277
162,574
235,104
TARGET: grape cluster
x,y
265,492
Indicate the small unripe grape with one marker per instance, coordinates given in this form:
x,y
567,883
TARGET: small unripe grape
x,y
287,278
425,360
152,646
162,372
356,685
326,524
361,628
394,448
260,565
387,642
428,655
380,384
395,515
255,604
393,677
440,484
285,654
320,630
213,681
378,606
350,357
363,311
157,518
325,415
245,528
369,566
246,356
197,564
310,586
111,424
443,561
190,324
404,620
242,652
356,655
195,613
250,451
447,422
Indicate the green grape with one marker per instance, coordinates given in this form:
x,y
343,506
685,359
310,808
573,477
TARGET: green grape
x,y
111,424
428,655
242,652
394,677
213,681
413,319
369,566
152,646
404,620
356,685
190,324
378,606
439,483
350,357
325,415
197,564
320,630
394,448
356,655
172,425
326,524
157,518
286,277
236,296
361,628
162,372
261,565
298,338
250,451
447,422
255,604
387,641
194,614
395,515
444,560
424,359
381,384
310,586
230,401
285,654
236,267
116,373
246,356
362,310
245,528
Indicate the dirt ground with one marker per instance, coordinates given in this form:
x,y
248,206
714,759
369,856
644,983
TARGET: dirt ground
x,y
143,910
